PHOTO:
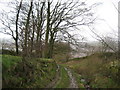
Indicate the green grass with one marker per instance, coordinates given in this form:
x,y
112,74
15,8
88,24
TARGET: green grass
x,y
45,60
103,82
9,61
32,73
64,81
76,75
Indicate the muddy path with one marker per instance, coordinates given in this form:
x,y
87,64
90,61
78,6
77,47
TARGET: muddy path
x,y
73,82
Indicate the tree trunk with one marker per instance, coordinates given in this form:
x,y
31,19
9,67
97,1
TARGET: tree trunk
x,y
39,31
26,31
51,45
33,28
17,17
17,46
47,31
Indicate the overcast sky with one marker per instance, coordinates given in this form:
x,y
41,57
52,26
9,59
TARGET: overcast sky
x,y
106,24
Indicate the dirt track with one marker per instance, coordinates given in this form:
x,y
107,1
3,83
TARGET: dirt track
x,y
73,83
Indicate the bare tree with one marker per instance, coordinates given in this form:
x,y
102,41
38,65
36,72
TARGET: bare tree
x,y
41,23
7,25
102,40
62,18
25,48
17,18
47,29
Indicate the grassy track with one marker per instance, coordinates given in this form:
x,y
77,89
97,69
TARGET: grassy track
x,y
64,81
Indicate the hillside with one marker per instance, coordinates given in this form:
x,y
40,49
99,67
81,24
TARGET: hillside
x,y
97,71
93,71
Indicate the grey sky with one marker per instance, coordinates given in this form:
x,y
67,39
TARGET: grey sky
x,y
108,25
107,14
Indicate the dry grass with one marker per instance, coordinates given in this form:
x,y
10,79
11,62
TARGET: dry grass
x,y
93,70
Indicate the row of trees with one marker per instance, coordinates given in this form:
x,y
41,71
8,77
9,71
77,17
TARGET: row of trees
x,y
35,26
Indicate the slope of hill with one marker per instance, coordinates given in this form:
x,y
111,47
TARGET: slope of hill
x,y
96,70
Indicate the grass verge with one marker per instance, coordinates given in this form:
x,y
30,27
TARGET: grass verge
x,y
64,81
